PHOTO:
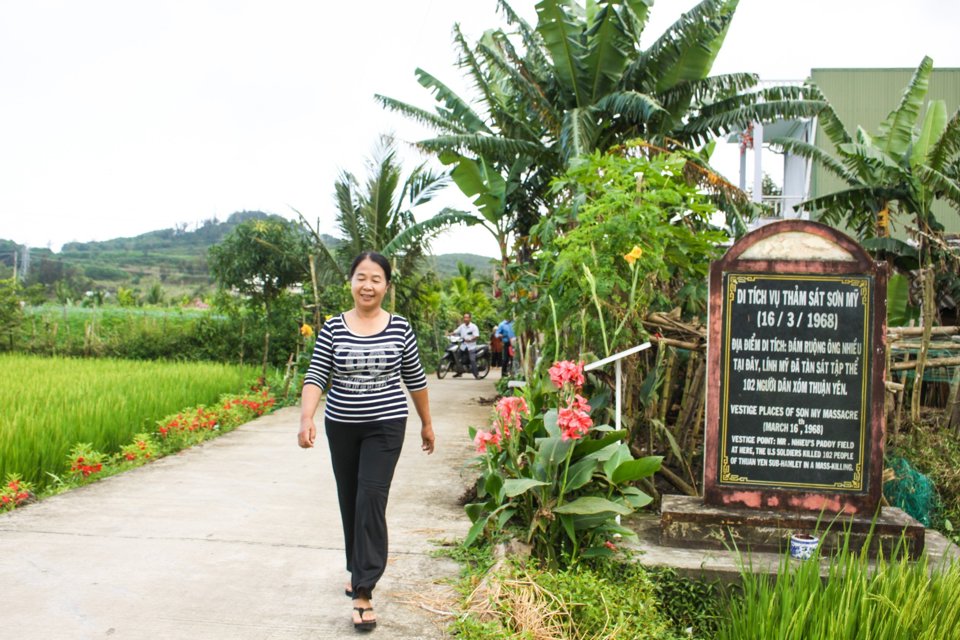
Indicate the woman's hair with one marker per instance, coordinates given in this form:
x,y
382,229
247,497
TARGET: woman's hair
x,y
375,257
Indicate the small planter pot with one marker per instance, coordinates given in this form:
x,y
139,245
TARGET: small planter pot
x,y
802,545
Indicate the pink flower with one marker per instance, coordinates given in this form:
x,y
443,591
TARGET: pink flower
x,y
573,423
566,371
610,545
580,403
486,438
509,412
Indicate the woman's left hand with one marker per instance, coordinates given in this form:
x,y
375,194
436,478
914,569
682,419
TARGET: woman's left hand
x,y
426,435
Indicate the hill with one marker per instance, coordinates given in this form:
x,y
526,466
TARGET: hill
x,y
445,265
176,259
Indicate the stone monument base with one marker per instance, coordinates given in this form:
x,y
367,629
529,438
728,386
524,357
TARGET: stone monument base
x,y
687,522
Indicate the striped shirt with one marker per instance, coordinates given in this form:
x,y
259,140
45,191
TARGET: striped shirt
x,y
364,372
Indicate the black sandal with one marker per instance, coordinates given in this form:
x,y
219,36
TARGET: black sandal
x,y
364,625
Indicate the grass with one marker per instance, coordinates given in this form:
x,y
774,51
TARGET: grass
x,y
892,600
52,404
101,330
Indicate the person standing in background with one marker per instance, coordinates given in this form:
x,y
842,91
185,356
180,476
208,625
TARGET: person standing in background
x,y
509,338
496,347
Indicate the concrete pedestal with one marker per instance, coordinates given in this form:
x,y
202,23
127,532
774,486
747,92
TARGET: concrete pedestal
x,y
687,522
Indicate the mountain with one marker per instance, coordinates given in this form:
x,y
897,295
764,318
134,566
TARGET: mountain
x,y
175,258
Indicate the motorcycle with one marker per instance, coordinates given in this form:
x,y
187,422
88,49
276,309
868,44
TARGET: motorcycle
x,y
455,358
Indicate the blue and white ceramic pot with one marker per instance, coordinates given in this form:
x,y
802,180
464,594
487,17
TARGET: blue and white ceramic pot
x,y
802,545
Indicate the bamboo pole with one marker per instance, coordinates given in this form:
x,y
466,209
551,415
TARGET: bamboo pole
x,y
924,343
931,363
953,411
666,391
680,344
898,332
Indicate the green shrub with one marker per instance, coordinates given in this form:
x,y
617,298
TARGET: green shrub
x,y
935,451
689,604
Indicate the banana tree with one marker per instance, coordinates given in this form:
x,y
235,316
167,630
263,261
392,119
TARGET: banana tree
x,y
578,82
897,173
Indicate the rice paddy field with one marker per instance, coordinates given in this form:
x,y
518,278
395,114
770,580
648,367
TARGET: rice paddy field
x,y
51,404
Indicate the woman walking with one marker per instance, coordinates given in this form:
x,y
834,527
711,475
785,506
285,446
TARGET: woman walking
x,y
363,354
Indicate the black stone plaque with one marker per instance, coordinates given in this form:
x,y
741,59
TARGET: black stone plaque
x,y
795,369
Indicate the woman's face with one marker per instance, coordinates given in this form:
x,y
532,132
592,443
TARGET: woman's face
x,y
368,285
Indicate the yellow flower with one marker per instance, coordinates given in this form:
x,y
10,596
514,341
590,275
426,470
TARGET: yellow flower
x,y
306,331
328,316
635,253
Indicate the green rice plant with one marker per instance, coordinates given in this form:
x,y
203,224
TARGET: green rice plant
x,y
52,404
890,599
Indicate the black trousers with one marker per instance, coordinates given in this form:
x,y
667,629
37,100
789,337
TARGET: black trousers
x,y
364,456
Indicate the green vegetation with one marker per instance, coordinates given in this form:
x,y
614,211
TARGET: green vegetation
x,y
604,599
896,599
632,235
553,478
935,451
54,403
577,82
261,260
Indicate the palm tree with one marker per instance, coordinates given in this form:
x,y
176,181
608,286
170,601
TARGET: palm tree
x,y
378,215
580,82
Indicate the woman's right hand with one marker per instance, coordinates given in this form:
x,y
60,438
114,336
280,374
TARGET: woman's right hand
x,y
308,433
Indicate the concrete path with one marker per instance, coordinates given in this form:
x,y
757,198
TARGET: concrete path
x,y
238,538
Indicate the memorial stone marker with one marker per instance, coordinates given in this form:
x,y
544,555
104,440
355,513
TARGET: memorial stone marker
x,y
795,373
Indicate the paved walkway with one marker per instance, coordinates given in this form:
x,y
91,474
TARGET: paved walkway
x,y
237,538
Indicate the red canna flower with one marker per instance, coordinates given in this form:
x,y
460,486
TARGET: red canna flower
x,y
566,371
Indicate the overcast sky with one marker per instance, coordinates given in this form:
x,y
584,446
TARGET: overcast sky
x,y
119,117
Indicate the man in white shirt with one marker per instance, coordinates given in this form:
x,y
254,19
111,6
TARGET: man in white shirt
x,y
469,333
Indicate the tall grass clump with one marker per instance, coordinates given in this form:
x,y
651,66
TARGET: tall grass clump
x,y
892,599
52,404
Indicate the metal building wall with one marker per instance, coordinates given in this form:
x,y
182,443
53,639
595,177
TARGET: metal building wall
x,y
865,97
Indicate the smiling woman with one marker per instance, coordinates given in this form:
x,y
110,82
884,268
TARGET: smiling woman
x,y
364,354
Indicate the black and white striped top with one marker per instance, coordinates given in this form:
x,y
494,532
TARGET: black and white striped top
x,y
365,371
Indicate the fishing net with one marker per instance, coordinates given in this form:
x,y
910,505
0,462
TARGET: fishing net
x,y
913,492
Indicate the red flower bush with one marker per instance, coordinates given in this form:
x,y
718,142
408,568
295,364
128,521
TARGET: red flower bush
x,y
85,463
14,493
141,450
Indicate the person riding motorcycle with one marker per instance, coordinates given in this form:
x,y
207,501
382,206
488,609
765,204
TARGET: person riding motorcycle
x,y
468,333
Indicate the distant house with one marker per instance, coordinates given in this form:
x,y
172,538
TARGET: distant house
x,y
861,97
